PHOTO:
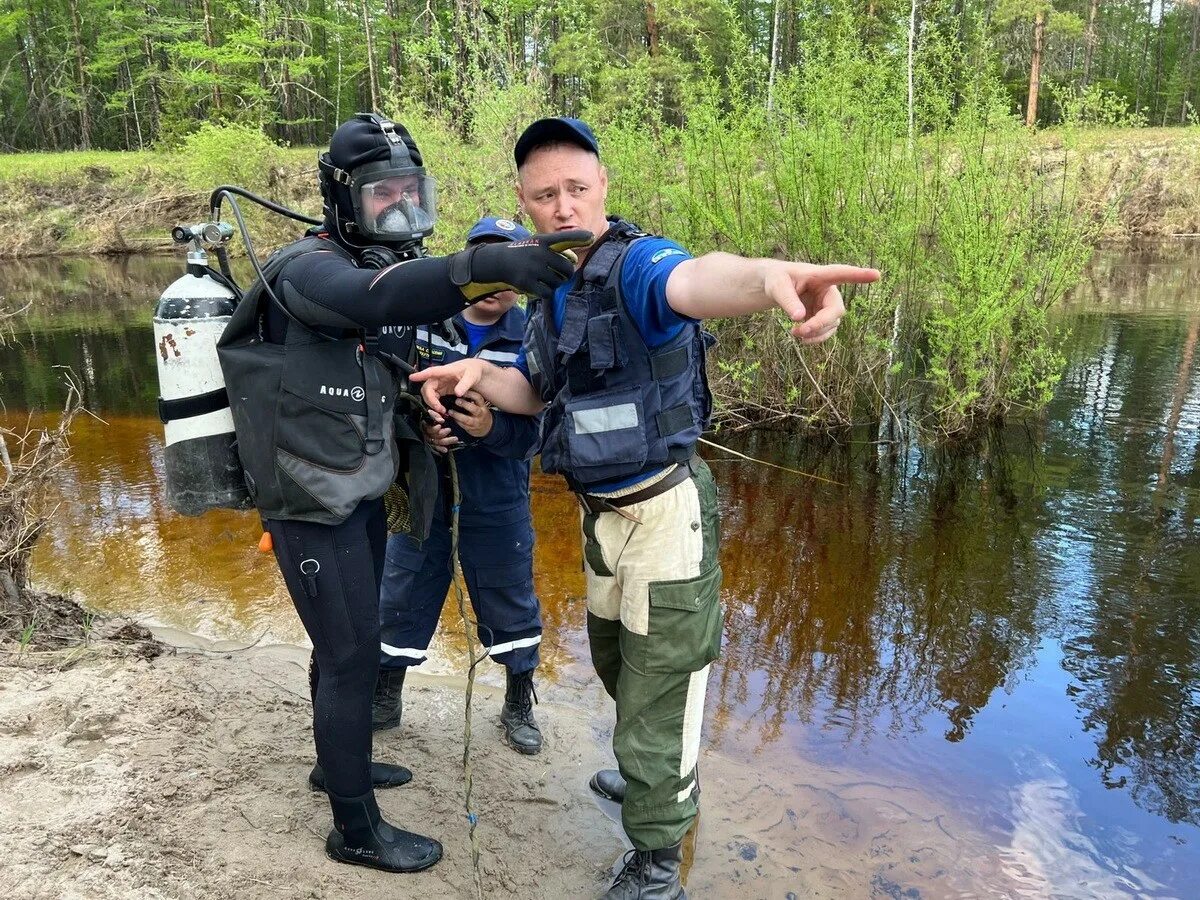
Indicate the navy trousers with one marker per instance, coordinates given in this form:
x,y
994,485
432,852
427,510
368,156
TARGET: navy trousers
x,y
497,563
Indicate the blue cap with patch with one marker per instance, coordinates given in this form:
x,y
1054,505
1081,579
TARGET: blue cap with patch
x,y
550,131
492,227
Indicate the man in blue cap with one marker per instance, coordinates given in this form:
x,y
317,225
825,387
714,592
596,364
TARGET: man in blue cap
x,y
492,455
617,361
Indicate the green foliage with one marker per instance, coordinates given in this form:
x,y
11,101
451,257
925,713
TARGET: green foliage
x,y
1096,107
976,234
228,154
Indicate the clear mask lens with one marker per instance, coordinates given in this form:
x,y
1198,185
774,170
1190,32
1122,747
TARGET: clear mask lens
x,y
398,206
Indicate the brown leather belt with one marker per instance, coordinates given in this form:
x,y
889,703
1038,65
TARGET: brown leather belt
x,y
676,476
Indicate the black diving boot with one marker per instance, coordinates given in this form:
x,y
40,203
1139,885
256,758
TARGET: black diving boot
x,y
649,875
609,784
520,730
383,775
361,837
387,704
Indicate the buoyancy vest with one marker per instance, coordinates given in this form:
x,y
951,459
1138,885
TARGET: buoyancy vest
x,y
313,415
615,408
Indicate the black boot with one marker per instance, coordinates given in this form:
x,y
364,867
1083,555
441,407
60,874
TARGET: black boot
x,y
520,730
609,784
387,704
383,775
649,875
361,837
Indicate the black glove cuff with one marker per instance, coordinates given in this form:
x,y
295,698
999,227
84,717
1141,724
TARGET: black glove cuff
x,y
460,266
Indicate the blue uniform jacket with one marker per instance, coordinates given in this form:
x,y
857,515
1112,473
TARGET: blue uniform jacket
x,y
493,471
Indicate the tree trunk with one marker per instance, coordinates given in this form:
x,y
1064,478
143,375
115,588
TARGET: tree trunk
x,y
394,45
210,41
151,67
1089,40
651,28
774,57
462,67
1137,102
137,119
1158,64
85,115
1035,67
1187,81
372,76
36,95
912,44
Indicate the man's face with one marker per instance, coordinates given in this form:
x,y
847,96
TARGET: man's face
x,y
496,304
379,195
563,187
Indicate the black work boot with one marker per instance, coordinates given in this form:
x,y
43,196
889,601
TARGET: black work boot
x,y
361,837
520,730
383,775
649,875
387,704
609,784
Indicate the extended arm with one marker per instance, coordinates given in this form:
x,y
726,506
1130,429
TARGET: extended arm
x,y
721,284
506,388
324,288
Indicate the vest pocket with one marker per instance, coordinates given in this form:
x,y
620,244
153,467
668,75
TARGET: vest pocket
x,y
606,434
318,435
686,622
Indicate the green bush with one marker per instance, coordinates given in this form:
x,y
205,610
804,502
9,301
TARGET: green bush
x,y
229,154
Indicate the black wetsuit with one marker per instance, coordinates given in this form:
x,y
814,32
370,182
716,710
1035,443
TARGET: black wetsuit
x,y
333,572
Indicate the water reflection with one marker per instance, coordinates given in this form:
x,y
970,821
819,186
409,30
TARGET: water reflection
x,y
1015,624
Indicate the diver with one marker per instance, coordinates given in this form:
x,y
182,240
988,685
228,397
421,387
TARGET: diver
x,y
323,430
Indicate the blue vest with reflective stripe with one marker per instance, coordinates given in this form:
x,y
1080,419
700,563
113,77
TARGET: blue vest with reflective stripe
x,y
615,408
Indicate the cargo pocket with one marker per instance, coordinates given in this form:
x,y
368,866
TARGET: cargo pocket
x,y
606,435
686,622
506,592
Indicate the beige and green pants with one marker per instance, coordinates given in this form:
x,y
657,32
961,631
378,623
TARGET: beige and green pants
x,y
654,626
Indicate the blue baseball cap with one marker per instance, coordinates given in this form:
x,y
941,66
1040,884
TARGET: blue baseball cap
x,y
490,226
548,131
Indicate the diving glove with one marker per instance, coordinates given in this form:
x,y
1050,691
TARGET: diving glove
x,y
536,266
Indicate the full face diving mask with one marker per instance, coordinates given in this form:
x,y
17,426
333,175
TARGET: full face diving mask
x,y
393,204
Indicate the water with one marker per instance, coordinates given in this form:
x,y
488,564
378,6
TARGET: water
x,y
1012,629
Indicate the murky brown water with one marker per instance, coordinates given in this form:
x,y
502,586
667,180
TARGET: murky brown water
x,y
1008,636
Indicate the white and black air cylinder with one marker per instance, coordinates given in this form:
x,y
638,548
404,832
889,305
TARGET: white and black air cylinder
x,y
202,467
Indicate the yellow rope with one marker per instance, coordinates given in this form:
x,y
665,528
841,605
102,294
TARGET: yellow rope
x,y
763,462
474,660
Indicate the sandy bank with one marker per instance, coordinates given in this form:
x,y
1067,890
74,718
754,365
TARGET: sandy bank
x,y
184,776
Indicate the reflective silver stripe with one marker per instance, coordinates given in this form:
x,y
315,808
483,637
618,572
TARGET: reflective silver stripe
x,y
498,356
438,341
531,360
410,652
497,649
606,418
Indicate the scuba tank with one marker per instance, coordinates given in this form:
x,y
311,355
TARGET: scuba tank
x,y
200,459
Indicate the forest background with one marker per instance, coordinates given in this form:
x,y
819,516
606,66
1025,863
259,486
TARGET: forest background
x,y
976,152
